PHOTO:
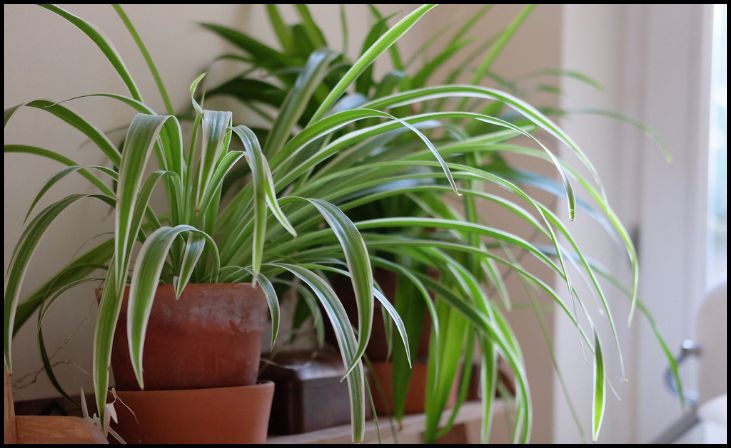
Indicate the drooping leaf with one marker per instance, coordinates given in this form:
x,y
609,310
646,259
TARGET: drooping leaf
x,y
264,193
78,269
597,410
359,266
346,342
69,170
76,121
145,279
20,260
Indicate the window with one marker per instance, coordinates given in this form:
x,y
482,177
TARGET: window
x,y
717,242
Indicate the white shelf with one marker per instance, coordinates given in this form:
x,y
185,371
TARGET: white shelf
x,y
466,429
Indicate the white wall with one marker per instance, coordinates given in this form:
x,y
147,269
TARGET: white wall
x,y
653,62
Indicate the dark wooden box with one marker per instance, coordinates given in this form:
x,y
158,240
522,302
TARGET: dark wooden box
x,y
308,393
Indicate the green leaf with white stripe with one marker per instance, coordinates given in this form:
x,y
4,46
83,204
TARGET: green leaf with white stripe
x,y
21,258
264,194
389,310
74,120
263,176
272,301
69,170
191,254
145,279
148,59
214,184
346,342
82,266
359,267
597,410
215,127
141,138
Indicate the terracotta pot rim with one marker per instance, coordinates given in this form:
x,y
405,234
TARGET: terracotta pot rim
x,y
164,286
261,385
242,285
210,285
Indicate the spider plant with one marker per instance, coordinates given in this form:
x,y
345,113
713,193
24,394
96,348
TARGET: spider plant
x,y
469,140
327,153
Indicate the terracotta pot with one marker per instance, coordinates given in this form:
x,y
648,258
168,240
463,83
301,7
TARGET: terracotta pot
x,y
377,350
220,415
209,338
381,380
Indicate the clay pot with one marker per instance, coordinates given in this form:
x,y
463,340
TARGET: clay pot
x,y
381,379
377,349
209,338
200,364
219,415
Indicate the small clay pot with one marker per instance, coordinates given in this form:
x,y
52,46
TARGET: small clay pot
x,y
377,349
380,379
219,415
209,338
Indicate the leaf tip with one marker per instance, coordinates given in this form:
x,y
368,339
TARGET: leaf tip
x,y
140,380
291,230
